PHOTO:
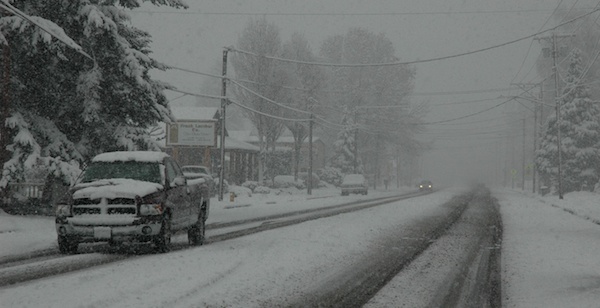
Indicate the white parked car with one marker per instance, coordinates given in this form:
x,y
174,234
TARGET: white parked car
x,y
354,183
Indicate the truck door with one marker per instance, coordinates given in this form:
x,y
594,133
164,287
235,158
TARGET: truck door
x,y
177,195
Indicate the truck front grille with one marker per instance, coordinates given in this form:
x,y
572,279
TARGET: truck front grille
x,y
121,210
86,210
103,206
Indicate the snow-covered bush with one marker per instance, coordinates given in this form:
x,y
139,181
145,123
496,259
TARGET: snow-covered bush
x,y
304,177
331,175
286,181
240,191
262,190
256,188
597,188
250,185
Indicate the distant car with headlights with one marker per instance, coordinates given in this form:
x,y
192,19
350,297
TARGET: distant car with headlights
x,y
138,196
354,184
425,185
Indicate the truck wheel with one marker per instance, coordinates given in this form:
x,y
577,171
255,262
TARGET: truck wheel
x,y
67,246
196,232
163,239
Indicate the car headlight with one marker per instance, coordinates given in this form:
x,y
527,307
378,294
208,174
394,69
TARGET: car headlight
x,y
63,210
151,209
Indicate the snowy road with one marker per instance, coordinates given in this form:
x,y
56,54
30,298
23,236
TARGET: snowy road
x,y
549,257
306,264
43,263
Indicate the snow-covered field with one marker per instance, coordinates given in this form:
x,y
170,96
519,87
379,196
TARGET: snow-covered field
x,y
549,255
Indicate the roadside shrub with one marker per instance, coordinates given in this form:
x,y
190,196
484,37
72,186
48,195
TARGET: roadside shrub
x,y
304,177
262,190
250,185
287,181
240,191
331,175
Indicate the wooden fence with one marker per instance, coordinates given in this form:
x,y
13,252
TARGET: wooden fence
x,y
27,190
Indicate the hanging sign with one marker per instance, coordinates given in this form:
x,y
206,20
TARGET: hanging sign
x,y
192,133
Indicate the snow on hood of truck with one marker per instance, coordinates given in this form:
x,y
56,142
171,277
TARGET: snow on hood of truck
x,y
115,188
141,156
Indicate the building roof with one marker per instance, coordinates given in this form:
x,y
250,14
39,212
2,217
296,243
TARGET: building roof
x,y
234,144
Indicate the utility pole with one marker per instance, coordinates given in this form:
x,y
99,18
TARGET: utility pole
x,y
527,87
223,107
554,55
310,154
535,136
538,106
355,141
523,160
558,122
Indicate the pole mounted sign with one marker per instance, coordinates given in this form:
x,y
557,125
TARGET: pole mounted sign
x,y
192,133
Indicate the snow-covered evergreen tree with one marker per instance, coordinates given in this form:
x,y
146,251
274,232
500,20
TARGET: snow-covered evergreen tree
x,y
580,134
345,147
64,108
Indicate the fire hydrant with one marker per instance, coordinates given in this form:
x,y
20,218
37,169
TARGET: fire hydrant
x,y
231,196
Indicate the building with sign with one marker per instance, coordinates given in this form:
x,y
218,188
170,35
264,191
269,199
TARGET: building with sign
x,y
193,140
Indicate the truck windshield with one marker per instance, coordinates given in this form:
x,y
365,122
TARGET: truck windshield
x,y
142,171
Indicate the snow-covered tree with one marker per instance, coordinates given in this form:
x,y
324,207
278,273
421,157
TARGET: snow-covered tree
x,y
579,131
306,83
344,157
62,108
377,92
266,78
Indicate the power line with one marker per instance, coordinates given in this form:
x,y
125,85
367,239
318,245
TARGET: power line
x,y
193,71
196,94
466,116
340,91
466,102
269,100
531,43
266,114
565,58
346,14
415,61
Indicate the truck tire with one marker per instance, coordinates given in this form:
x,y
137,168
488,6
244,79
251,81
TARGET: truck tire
x,y
163,239
197,231
67,246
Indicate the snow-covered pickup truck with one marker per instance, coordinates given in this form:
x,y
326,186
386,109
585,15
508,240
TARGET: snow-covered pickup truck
x,y
138,196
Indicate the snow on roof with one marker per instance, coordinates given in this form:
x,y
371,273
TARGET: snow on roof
x,y
234,144
194,113
143,156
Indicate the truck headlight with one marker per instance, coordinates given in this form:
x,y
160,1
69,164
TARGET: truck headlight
x,y
151,209
63,210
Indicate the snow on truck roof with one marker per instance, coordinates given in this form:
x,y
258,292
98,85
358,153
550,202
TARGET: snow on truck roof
x,y
142,156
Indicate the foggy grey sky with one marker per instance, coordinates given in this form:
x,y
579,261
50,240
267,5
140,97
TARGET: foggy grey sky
x,y
422,29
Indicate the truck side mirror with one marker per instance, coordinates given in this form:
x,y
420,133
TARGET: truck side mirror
x,y
179,181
